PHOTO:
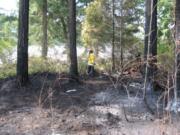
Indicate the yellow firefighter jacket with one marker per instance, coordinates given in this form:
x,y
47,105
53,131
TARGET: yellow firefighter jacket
x,y
91,59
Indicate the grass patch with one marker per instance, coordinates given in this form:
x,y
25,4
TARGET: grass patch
x,y
7,70
48,65
36,65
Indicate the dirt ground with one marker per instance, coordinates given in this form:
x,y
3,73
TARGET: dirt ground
x,y
51,105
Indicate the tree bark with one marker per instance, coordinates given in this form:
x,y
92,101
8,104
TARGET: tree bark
x,y
65,33
64,25
121,31
150,19
22,49
153,39
147,26
72,40
150,48
44,28
177,38
113,36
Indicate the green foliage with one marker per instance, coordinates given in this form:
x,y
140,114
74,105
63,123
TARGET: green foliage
x,y
82,66
165,16
97,25
104,65
57,20
36,65
8,31
166,56
8,36
165,34
163,48
35,22
7,70
95,28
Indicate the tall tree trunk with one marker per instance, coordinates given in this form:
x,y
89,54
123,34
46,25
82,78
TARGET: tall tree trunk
x,y
22,50
44,28
150,49
121,30
72,40
153,39
147,26
177,38
65,33
113,36
64,25
150,33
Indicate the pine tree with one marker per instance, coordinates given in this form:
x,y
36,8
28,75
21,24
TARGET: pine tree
x,y
177,38
72,40
113,35
22,50
150,48
44,28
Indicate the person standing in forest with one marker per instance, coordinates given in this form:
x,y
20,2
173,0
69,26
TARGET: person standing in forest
x,y
91,63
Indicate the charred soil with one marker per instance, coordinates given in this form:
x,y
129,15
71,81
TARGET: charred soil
x,y
101,105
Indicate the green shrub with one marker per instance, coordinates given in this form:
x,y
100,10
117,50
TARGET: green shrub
x,y
7,70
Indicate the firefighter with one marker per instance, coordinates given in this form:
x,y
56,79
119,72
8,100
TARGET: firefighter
x,y
91,63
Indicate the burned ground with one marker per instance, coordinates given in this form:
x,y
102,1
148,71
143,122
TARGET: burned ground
x,y
51,105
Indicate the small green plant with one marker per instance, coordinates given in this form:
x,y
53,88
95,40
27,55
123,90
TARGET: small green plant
x,y
82,66
7,70
165,56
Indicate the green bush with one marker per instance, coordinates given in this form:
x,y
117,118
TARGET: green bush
x,y
82,66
